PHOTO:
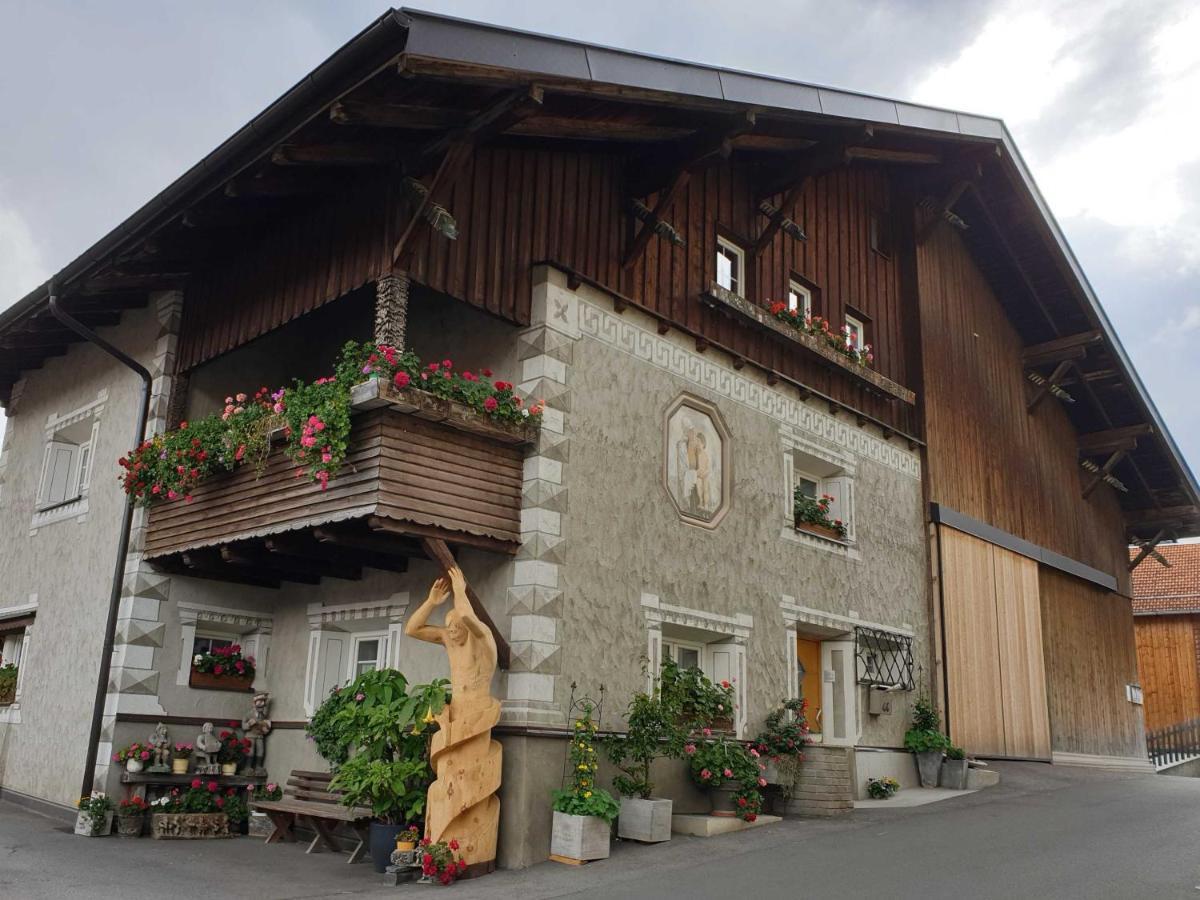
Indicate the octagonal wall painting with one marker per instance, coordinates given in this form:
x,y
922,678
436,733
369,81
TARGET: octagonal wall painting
x,y
697,461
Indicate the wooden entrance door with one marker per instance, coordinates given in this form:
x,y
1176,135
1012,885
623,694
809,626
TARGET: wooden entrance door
x,y
808,655
995,668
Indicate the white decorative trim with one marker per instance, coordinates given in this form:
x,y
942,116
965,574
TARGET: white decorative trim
x,y
393,608
657,613
623,333
77,508
255,626
1123,763
56,422
794,613
13,612
194,613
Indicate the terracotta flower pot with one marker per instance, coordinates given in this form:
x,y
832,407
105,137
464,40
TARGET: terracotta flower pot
x,y
820,530
223,682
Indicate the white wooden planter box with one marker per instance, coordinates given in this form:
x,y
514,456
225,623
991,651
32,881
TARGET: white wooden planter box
x,y
579,837
83,824
648,821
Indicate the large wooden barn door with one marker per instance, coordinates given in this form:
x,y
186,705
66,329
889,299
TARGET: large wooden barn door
x,y
995,670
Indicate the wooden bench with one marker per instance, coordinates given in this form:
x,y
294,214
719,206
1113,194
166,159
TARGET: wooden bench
x,y
307,798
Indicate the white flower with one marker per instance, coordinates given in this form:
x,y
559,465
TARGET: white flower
x,y
525,413
196,659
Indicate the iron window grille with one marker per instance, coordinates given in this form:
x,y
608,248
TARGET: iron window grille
x,y
884,658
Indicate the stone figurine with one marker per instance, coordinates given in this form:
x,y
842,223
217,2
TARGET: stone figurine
x,y
206,748
462,804
257,726
160,749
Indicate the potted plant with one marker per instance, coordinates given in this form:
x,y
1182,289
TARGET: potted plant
x,y
233,751
812,514
194,814
730,773
408,837
653,731
223,669
8,684
441,862
134,757
583,812
926,741
780,745
181,757
700,703
385,724
882,788
236,810
954,769
260,823
131,816
95,815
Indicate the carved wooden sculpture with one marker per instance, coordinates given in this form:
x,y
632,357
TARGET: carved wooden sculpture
x,y
462,802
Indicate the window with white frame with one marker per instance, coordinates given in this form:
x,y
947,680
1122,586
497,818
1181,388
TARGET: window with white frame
x,y
67,460
349,640
800,298
685,654
820,475
208,643
16,629
731,266
856,333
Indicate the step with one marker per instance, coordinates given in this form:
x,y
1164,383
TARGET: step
x,y
709,826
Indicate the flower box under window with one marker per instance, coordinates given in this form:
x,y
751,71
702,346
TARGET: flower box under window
x,y
821,531
210,681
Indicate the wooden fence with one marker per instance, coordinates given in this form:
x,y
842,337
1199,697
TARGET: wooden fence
x,y
1174,744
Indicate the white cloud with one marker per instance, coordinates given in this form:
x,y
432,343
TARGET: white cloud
x,y
21,267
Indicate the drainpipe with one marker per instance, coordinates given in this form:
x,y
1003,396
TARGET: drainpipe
x,y
114,598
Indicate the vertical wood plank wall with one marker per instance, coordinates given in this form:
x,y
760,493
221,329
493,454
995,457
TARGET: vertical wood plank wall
x,y
515,207
1090,657
1166,655
988,457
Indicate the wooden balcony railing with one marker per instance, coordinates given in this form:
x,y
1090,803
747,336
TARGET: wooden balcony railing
x,y
418,468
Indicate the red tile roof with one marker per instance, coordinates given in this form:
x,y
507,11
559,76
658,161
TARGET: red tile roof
x,y
1158,589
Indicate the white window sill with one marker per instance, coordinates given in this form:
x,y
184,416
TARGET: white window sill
x,y
75,509
844,549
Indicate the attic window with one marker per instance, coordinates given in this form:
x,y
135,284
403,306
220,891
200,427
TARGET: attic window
x,y
731,266
62,486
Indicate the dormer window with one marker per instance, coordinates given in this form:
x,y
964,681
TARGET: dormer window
x,y
731,266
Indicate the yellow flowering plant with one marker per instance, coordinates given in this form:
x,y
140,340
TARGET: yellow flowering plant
x,y
584,797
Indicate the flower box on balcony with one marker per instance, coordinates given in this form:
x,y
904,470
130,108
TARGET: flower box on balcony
x,y
728,302
375,393
224,682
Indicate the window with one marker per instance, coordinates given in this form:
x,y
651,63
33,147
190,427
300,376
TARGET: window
x,y
807,485
799,297
856,333
16,630
207,644
821,473
685,655
370,654
731,266
67,463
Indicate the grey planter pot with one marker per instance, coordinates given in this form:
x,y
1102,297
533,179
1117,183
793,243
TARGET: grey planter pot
x,y
648,821
722,800
954,774
579,837
929,766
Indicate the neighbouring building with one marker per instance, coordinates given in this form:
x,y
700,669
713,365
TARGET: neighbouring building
x,y
621,236
1166,610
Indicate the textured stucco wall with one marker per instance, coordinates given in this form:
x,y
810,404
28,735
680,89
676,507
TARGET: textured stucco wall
x,y
67,564
625,537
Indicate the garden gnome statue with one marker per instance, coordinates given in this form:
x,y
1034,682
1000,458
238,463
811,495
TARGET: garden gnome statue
x,y
462,804
206,748
256,727
160,749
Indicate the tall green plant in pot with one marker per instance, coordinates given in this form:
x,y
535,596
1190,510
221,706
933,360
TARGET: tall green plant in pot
x,y
375,731
655,730
926,741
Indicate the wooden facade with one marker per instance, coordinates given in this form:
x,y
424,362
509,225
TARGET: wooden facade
x,y
403,475
1168,653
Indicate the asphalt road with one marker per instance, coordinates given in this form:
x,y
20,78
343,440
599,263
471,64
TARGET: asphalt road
x,y
1044,832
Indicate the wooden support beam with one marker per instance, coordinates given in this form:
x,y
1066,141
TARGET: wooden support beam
x,y
1050,385
334,551
1147,549
396,115
883,154
451,161
944,211
259,564
1097,442
1072,346
440,553
289,553
342,154
812,165
653,174
1104,474
209,565
388,546
1148,517
665,198
496,119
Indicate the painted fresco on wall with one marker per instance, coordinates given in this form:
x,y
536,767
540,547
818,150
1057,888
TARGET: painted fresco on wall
x,y
697,464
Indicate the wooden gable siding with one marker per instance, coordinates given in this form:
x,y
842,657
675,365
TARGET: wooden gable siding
x,y
988,457
515,207
1168,648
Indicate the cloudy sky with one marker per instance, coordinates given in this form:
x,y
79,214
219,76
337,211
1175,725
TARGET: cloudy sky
x,y
108,102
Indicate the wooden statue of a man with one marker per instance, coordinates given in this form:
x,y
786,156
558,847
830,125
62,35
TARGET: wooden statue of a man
x,y
462,803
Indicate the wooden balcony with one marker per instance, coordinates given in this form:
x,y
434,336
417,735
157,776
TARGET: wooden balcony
x,y
418,469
